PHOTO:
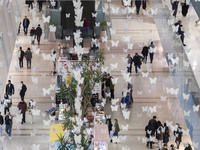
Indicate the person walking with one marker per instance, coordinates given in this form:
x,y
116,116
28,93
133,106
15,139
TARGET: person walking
x,y
166,134
7,104
138,4
29,3
38,33
86,25
137,59
112,90
116,128
159,135
180,31
129,63
26,23
185,6
8,123
22,106
189,147
145,52
149,135
151,51
1,124
33,35
10,89
144,4
108,81
178,135
153,124
172,147
23,90
21,57
165,147
40,2
28,58
174,4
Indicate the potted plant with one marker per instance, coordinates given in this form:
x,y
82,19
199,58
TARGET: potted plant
x,y
52,30
103,26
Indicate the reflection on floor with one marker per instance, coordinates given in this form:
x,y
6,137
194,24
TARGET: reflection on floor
x,y
140,29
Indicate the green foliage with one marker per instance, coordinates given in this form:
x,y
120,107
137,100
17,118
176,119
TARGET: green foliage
x,y
103,25
91,71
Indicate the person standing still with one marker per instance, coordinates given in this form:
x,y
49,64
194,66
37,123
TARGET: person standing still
x,y
10,89
21,57
86,25
151,53
129,63
23,90
117,129
28,58
1,124
38,33
145,52
8,123
22,106
137,59
26,23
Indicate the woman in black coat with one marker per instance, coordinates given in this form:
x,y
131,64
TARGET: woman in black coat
x,y
166,134
138,4
149,133
178,134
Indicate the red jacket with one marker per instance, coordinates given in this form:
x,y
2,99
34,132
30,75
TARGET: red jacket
x,y
22,106
86,23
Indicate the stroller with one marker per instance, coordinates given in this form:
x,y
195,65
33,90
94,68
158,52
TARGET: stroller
x,y
128,100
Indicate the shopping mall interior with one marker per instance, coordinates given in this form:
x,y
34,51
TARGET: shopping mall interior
x,y
78,84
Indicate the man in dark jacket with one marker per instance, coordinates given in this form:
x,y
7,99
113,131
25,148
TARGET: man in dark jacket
x,y
137,59
38,33
174,4
149,133
1,124
40,5
22,106
145,52
138,4
23,90
28,58
153,124
21,57
10,90
26,23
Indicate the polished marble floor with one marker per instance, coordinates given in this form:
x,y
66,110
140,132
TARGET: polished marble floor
x,y
140,28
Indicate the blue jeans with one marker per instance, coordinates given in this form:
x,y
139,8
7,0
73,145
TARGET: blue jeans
x,y
8,129
85,31
136,67
25,30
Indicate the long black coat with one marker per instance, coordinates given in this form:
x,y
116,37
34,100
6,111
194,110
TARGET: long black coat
x,y
166,135
10,89
178,134
23,90
145,51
